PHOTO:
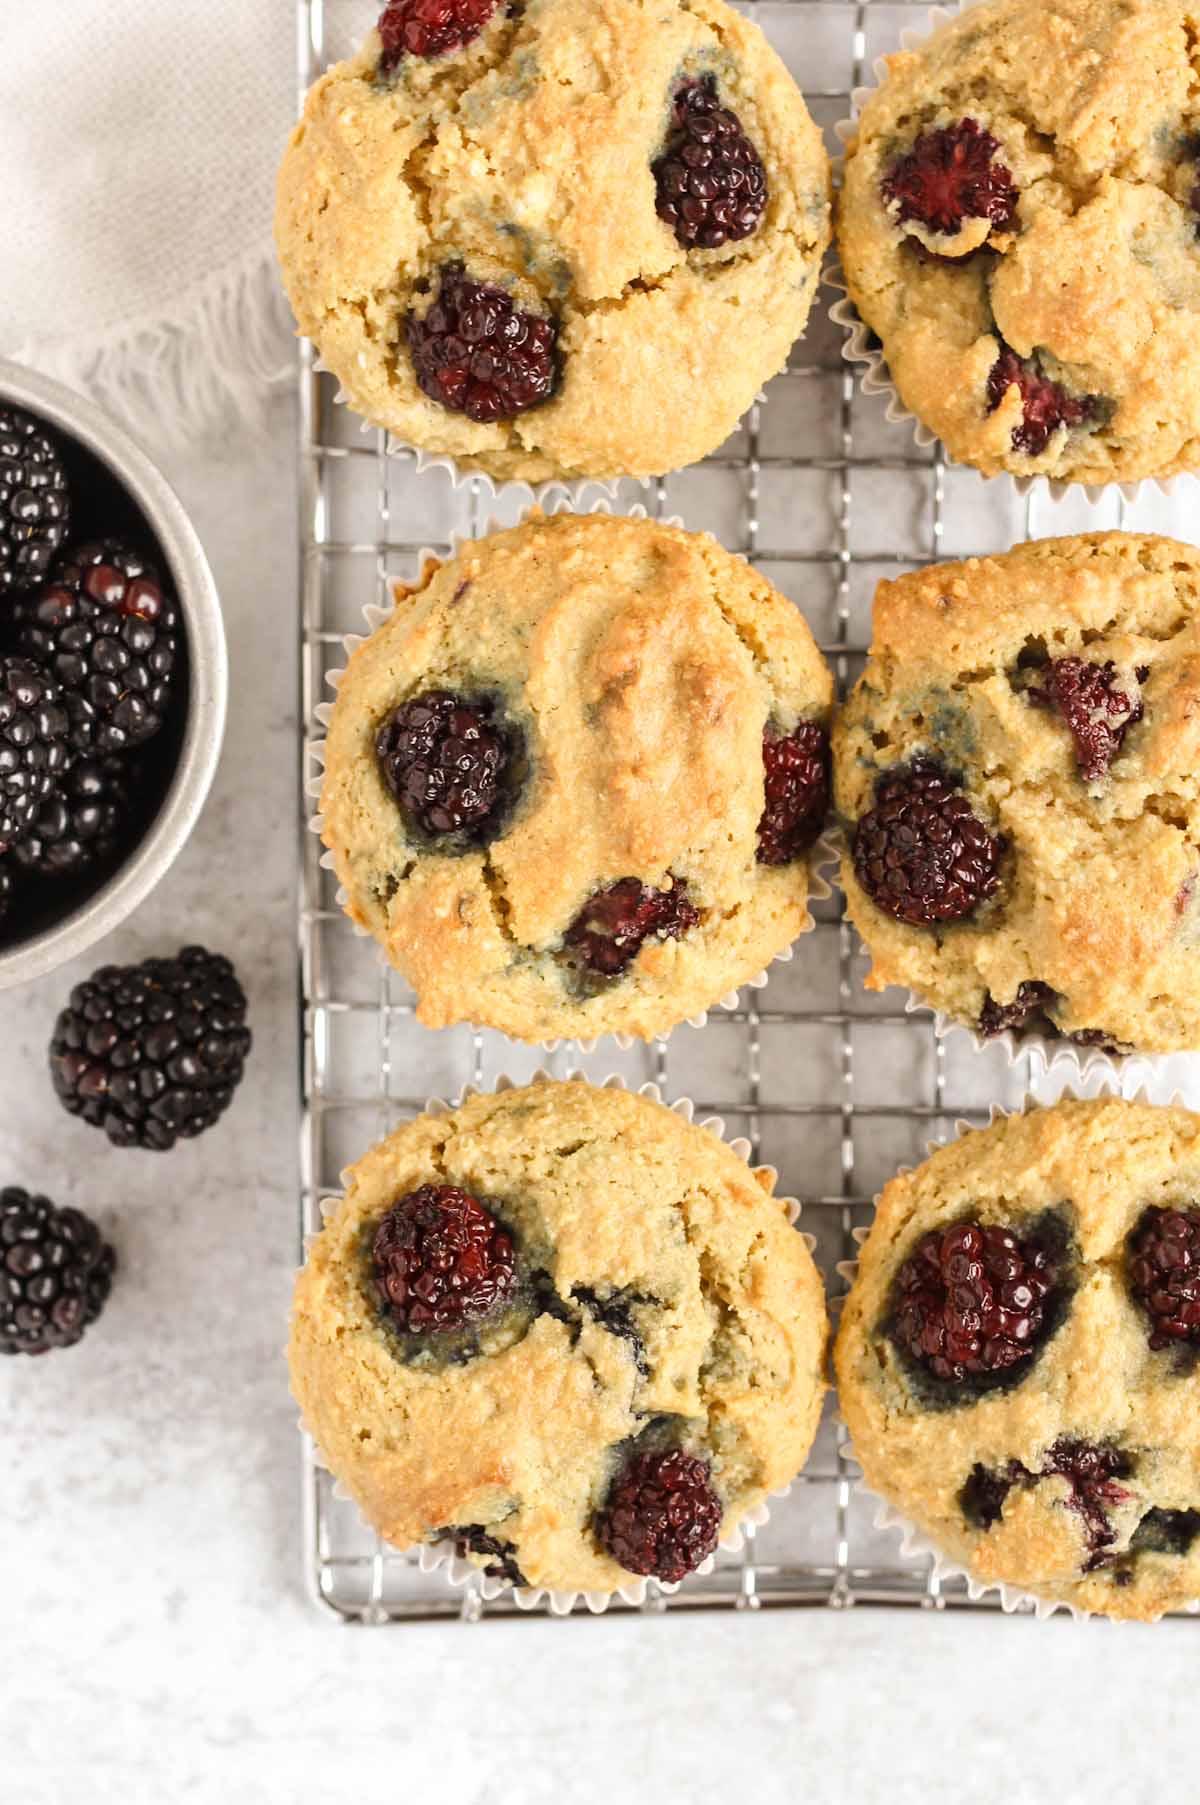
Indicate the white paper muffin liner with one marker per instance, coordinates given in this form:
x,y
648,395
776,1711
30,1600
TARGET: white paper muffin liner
x,y
915,1542
821,858
876,378
442,1556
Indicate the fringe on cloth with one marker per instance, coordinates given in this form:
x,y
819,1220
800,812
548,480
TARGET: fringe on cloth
x,y
200,376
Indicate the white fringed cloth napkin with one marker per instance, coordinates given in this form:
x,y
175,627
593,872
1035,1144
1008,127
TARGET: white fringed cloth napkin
x,y
139,141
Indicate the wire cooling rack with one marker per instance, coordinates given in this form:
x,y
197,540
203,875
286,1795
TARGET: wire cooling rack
x,y
833,1086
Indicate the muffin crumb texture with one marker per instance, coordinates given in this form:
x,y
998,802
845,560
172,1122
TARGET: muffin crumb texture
x,y
1020,226
624,1353
563,240
1018,1358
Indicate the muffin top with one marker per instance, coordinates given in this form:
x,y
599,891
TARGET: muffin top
x,y
1017,769
1019,226
1017,1360
566,239
571,784
531,1315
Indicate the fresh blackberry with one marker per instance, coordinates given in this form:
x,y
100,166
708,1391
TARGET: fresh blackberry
x,y
710,183
796,770
921,854
429,28
34,749
6,891
110,633
34,504
56,1272
475,352
446,759
473,1538
952,174
613,925
440,1259
152,1052
661,1516
972,1303
82,821
1098,714
1032,1003
1163,1265
1046,405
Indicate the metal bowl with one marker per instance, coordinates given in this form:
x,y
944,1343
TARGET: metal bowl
x,y
208,676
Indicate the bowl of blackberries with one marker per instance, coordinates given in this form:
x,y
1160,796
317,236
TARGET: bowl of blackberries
x,y
112,675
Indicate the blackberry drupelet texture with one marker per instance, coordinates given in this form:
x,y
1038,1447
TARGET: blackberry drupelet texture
x,y
152,1052
56,1272
710,183
951,174
34,503
445,758
610,930
429,28
796,771
970,1303
1098,714
440,1259
82,821
661,1517
922,854
34,750
1046,405
110,633
478,354
1163,1264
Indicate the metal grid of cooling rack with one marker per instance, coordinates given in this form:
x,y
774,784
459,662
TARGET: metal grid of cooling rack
x,y
834,1087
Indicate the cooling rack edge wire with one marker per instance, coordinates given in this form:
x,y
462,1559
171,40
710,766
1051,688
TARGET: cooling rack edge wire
x,y
833,1087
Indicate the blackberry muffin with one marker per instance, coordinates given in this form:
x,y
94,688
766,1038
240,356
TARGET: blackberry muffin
x,y
560,240
565,1327
1016,769
1019,226
573,783
1017,1359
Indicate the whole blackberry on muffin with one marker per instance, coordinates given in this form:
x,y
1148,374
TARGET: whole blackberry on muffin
x,y
528,237
1015,772
573,784
1019,1358
574,1398
152,1052
1018,227
56,1271
34,503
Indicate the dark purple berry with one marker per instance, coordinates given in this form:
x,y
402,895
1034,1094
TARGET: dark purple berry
x,y
710,183
952,174
152,1052
1046,405
1033,1000
445,759
83,821
478,354
970,1302
429,28
796,770
56,1272
1098,714
611,928
473,1538
34,749
34,504
662,1516
441,1259
921,854
1092,1473
1164,1274
6,891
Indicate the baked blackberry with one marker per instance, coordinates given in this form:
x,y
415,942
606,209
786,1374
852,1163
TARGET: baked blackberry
x,y
610,930
951,174
34,503
710,183
1097,712
6,891
477,353
1029,1008
34,750
1163,1265
441,1259
429,28
56,1271
109,631
971,1304
84,819
661,1516
152,1052
796,772
1046,404
446,758
473,1538
921,854
1092,1472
